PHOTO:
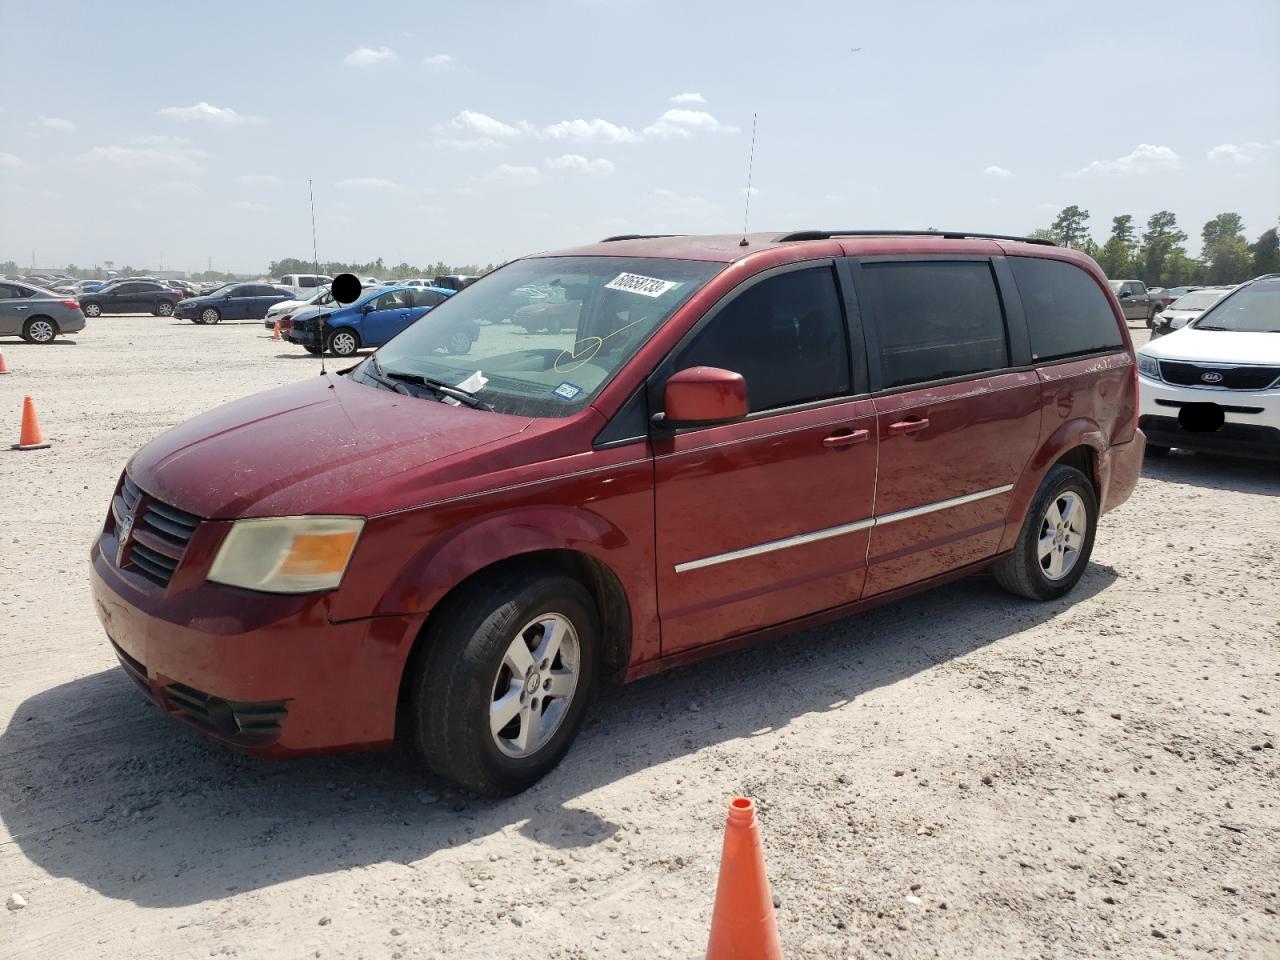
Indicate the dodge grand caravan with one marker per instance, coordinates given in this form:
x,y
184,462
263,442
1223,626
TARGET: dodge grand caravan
x,y
734,437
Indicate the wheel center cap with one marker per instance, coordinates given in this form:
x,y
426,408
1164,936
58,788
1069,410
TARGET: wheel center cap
x,y
531,683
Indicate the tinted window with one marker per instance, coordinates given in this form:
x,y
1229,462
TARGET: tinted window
x,y
424,298
785,335
935,319
10,293
1066,312
392,301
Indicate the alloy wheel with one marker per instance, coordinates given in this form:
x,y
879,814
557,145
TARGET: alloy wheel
x,y
534,686
209,316
41,331
1062,534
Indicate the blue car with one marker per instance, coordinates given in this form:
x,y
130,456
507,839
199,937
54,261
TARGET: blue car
x,y
235,301
375,318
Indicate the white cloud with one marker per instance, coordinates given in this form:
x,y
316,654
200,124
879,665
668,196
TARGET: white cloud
x,y
585,131
577,163
440,61
1144,158
688,98
54,124
186,159
681,124
9,162
258,179
368,183
994,171
249,206
369,56
468,146
208,113
508,173
481,125
1244,153
159,140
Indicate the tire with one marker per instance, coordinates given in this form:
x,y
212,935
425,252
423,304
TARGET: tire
x,y
165,309
458,343
1151,318
1029,570
39,330
210,315
342,342
467,668
91,309
1156,451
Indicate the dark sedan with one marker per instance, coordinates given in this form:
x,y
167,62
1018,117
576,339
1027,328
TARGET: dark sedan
x,y
235,301
132,296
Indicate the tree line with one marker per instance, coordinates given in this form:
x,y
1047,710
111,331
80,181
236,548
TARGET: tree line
x,y
1159,256
376,268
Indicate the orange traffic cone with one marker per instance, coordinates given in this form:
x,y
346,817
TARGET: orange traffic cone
x,y
275,331
31,437
742,924
4,368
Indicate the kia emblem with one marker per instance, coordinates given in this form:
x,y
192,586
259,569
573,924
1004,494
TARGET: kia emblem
x,y
126,531
1211,377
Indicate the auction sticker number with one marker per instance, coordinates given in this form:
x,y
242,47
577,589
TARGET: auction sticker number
x,y
645,286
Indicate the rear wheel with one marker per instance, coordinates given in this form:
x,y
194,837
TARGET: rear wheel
x,y
458,343
164,309
503,687
39,330
1151,318
210,315
1056,540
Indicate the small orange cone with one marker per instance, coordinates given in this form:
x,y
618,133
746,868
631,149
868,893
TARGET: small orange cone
x,y
4,367
31,438
275,331
742,924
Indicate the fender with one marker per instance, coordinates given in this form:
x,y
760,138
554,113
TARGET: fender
x,y
1079,432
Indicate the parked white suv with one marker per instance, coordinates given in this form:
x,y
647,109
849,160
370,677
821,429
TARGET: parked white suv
x,y
1214,385
304,285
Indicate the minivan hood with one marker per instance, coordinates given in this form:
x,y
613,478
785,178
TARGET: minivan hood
x,y
1216,346
318,446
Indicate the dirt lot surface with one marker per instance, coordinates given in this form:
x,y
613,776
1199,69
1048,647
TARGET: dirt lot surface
x,y
960,774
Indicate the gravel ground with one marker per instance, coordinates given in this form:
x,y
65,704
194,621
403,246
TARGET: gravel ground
x,y
958,774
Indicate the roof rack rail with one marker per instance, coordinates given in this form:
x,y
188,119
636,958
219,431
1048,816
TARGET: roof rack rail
x,y
640,236
1268,276
945,234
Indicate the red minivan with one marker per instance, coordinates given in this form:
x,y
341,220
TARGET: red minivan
x,y
723,438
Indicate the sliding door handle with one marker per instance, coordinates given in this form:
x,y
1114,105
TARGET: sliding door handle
x,y
907,426
838,440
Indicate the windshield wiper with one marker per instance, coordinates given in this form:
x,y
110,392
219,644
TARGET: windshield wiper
x,y
377,376
465,397
1201,326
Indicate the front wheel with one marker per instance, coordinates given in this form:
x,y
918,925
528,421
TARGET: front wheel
x,y
91,310
210,315
39,330
1056,539
343,343
503,687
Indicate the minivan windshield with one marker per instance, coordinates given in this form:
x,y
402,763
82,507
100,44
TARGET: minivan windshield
x,y
1200,300
1251,309
546,332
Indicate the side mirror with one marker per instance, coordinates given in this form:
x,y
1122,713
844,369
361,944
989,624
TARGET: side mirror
x,y
701,396
366,308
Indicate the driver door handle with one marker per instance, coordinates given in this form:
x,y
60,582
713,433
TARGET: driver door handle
x,y
907,426
838,440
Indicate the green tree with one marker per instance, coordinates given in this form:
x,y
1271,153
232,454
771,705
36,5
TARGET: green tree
x,y
1072,226
1116,256
1161,239
1265,250
1043,233
1224,252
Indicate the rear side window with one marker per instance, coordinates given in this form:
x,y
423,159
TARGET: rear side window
x,y
1068,315
424,298
935,320
785,335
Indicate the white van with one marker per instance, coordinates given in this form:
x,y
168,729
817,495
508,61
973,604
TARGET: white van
x,y
304,284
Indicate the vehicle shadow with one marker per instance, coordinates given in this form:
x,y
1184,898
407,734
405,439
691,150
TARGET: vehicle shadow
x,y
59,341
98,786
1216,472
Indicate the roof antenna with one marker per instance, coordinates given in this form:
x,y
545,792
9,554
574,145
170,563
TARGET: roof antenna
x,y
315,254
751,159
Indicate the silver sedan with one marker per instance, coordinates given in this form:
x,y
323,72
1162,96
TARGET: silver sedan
x,y
35,314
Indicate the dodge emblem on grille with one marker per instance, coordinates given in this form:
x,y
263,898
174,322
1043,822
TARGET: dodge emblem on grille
x,y
1211,377
122,538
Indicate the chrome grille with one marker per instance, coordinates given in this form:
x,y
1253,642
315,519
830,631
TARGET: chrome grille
x,y
160,532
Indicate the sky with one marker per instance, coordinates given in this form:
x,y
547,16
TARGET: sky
x,y
183,135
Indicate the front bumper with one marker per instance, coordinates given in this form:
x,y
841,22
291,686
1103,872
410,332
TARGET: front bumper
x,y
1251,418
267,674
305,337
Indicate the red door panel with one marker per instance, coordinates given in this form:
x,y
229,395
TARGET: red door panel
x,y
762,521
949,457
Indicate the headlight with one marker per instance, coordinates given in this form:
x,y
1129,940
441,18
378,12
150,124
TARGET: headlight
x,y
287,554
1177,322
1148,366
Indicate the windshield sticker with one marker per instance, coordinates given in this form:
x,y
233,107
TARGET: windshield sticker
x,y
645,286
567,390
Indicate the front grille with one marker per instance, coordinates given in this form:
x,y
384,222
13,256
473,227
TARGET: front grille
x,y
1185,374
160,532
238,720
